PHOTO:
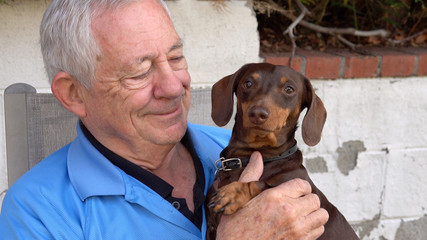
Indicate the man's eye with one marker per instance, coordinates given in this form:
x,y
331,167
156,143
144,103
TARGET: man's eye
x,y
137,82
178,63
176,59
248,84
139,77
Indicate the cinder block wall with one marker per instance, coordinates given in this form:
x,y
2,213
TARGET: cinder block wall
x,y
371,161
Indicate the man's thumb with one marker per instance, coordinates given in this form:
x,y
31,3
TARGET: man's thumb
x,y
253,170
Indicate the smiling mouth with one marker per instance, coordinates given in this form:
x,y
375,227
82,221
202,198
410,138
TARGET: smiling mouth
x,y
171,111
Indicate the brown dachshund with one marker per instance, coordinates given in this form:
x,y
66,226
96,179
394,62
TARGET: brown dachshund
x,y
269,101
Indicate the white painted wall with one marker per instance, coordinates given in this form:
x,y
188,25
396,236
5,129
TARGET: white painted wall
x,y
383,118
217,41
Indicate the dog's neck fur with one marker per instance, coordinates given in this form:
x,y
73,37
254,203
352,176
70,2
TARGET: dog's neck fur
x,y
239,147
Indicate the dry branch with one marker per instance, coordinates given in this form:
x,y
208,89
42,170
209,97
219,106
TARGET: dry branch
x,y
290,29
270,5
333,31
394,42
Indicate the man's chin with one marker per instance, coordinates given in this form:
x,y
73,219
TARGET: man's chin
x,y
170,134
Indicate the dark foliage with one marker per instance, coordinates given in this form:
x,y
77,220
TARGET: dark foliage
x,y
402,18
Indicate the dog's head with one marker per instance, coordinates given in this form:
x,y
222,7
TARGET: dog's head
x,y
270,99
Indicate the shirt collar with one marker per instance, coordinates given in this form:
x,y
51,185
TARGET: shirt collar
x,y
90,172
157,184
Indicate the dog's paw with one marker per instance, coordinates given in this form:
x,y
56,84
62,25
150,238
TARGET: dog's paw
x,y
230,198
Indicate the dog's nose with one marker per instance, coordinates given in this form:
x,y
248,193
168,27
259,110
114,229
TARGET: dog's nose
x,y
258,115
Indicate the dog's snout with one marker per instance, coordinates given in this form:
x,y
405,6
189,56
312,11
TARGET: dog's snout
x,y
258,115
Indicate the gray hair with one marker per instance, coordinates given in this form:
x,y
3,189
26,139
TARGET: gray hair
x,y
66,39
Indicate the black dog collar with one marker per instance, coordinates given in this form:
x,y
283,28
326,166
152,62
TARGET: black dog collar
x,y
228,164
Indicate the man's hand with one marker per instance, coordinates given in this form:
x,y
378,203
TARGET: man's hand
x,y
288,211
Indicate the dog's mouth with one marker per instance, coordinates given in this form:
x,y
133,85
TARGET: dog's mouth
x,y
261,129
258,137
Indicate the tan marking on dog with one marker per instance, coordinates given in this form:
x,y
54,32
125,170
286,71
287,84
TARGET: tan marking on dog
x,y
245,109
280,116
259,138
283,79
255,76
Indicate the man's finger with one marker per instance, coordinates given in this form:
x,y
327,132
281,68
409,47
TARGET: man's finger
x,y
295,188
315,222
308,204
253,170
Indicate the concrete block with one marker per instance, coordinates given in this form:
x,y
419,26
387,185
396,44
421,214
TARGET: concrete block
x,y
396,229
382,113
412,229
376,229
358,194
406,188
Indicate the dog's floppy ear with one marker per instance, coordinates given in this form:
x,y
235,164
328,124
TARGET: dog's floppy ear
x,y
315,118
222,96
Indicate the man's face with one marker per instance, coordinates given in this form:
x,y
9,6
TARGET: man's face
x,y
142,88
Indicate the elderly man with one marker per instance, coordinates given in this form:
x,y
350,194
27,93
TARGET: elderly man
x,y
137,169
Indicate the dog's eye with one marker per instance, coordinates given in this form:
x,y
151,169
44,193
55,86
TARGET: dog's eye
x,y
248,84
289,90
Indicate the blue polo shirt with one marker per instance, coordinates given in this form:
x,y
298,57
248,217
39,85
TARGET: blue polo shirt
x,y
76,193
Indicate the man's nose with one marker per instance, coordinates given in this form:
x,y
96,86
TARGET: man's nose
x,y
168,84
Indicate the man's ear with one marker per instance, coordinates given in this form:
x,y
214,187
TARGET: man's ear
x,y
69,92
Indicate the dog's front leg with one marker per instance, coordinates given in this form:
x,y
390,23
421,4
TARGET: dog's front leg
x,y
230,198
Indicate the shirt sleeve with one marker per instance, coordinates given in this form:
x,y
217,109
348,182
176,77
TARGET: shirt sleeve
x,y
28,214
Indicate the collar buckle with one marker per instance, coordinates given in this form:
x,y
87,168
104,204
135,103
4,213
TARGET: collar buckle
x,y
223,164
228,164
